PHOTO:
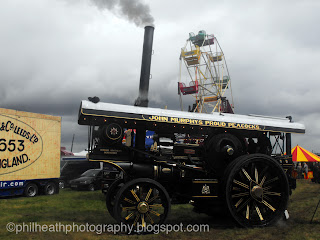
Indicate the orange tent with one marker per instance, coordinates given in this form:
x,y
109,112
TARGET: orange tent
x,y
300,154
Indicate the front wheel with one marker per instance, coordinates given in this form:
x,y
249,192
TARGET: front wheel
x,y
142,201
111,194
256,190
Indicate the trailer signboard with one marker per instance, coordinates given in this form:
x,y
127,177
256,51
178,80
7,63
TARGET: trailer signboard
x,y
29,151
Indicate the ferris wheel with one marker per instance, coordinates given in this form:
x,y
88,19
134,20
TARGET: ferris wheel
x,y
204,75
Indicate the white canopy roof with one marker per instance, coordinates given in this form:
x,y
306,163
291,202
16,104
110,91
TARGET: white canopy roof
x,y
204,119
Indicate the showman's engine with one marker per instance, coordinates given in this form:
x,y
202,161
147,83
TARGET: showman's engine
x,y
218,159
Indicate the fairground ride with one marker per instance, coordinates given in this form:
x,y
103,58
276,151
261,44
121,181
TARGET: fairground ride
x,y
204,75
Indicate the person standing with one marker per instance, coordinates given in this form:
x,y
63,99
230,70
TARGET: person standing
x,y
299,170
305,170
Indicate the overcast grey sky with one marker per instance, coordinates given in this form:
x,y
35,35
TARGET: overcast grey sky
x,y
55,53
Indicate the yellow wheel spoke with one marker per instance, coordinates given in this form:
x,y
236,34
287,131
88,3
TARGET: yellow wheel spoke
x,y
129,216
271,180
268,205
148,195
239,202
136,219
240,194
273,194
244,204
129,201
143,221
256,175
247,175
262,181
241,184
247,212
128,208
152,199
259,213
149,217
135,195
155,213
267,188
155,205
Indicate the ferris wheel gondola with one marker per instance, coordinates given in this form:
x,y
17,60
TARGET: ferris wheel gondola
x,y
205,73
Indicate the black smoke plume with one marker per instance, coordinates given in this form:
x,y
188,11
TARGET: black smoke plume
x,y
133,10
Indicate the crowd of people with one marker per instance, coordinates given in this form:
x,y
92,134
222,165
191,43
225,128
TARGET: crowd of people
x,y
303,169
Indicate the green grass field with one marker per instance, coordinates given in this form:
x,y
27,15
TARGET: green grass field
x,y
80,208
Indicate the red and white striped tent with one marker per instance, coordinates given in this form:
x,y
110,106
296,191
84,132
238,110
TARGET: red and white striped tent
x,y
300,154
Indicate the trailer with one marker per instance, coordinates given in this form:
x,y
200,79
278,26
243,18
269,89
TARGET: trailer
x,y
29,153
231,161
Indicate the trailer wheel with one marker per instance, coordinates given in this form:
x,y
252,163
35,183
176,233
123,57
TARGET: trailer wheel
x,y
62,184
142,201
50,188
31,190
256,190
111,194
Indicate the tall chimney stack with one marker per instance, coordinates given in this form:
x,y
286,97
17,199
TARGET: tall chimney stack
x,y
142,100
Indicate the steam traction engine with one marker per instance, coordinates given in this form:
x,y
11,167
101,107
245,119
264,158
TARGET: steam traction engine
x,y
229,160
254,184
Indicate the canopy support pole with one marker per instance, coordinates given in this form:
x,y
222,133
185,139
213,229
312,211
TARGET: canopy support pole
x,y
288,143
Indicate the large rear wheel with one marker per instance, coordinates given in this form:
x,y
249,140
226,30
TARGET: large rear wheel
x,y
256,190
